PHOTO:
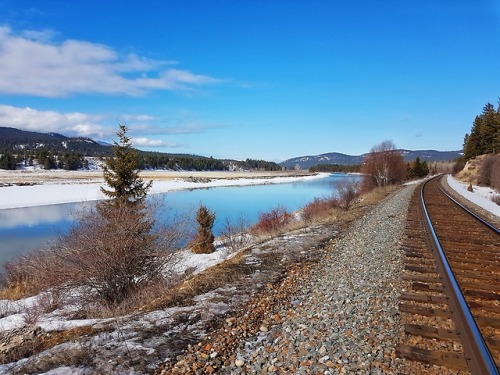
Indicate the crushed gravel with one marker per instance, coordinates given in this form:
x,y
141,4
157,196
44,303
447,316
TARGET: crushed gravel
x,y
338,316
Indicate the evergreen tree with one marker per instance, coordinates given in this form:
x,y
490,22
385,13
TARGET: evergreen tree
x,y
484,137
7,161
418,169
203,242
121,174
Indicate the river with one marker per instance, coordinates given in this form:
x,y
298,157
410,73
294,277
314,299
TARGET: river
x,y
25,229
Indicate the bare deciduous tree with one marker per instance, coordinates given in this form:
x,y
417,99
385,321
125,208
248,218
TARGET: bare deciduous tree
x,y
383,166
235,234
348,192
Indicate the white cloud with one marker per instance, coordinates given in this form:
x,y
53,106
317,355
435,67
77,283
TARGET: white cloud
x,y
145,142
96,126
69,124
33,64
125,118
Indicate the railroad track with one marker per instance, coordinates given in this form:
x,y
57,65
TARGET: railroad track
x,y
453,320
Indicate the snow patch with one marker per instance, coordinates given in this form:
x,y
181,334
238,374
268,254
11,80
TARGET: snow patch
x,y
481,195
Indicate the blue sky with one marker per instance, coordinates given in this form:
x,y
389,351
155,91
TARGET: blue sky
x,y
255,79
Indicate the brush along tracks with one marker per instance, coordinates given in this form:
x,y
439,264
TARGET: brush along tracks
x,y
441,317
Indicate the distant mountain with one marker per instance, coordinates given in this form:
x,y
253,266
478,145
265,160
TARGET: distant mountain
x,y
12,139
305,162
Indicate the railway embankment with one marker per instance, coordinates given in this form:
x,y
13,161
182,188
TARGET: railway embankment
x,y
337,316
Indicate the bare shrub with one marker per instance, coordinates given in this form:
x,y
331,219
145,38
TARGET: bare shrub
x,y
496,199
235,234
489,172
111,253
30,274
313,210
272,222
348,193
458,166
31,314
442,167
318,208
50,300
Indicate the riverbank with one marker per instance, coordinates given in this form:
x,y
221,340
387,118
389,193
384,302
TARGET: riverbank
x,y
40,188
73,338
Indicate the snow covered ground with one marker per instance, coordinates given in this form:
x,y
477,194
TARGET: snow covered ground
x,y
69,192
481,195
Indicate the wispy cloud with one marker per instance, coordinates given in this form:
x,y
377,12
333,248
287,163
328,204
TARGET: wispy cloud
x,y
70,124
142,127
32,63
182,128
155,143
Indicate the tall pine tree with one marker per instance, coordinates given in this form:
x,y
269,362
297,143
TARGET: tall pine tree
x,y
121,174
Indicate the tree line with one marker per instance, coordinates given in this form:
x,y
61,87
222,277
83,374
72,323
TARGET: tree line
x,y
332,168
484,137
261,165
46,158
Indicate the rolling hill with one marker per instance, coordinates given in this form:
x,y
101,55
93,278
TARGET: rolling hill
x,y
305,162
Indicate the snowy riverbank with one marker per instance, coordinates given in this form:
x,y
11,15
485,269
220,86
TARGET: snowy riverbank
x,y
57,192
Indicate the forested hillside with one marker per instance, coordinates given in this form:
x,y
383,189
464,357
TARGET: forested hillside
x,y
484,137
19,148
482,150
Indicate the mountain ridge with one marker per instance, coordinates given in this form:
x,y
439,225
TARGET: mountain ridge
x,y
307,161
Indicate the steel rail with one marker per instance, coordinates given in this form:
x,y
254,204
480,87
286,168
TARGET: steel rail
x,y
489,225
478,357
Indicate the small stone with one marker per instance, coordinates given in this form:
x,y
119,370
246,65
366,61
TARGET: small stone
x,y
214,354
263,329
239,363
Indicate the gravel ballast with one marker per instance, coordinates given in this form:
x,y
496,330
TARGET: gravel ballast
x,y
339,316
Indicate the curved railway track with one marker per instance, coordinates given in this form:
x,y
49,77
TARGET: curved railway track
x,y
451,308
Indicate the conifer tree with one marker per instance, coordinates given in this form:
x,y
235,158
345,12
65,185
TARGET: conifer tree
x,y
121,174
203,242
484,137
418,169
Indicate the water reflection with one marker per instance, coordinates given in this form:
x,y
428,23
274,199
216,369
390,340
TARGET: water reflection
x,y
33,216
25,229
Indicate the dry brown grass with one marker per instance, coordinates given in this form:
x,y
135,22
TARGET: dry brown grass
x,y
212,278
45,340
15,291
